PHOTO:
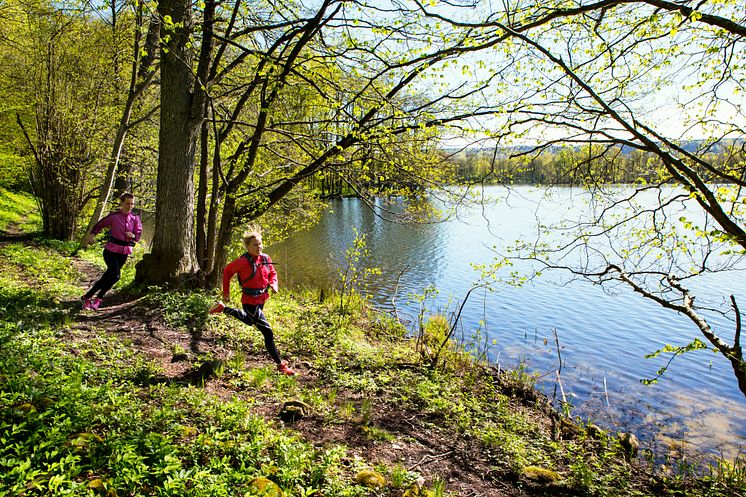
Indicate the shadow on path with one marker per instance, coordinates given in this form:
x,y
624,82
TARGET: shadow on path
x,y
10,236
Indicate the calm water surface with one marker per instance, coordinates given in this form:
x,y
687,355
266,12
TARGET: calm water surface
x,y
604,336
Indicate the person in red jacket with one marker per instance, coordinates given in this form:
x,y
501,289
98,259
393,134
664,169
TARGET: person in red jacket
x,y
258,279
125,229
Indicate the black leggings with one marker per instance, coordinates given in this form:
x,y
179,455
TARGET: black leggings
x,y
114,263
253,315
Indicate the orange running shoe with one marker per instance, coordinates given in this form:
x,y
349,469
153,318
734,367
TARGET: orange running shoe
x,y
285,369
217,308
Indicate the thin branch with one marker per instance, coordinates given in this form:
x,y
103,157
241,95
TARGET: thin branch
x,y
737,340
28,138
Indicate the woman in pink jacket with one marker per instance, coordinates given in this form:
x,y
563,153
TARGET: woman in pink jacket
x,y
125,229
257,277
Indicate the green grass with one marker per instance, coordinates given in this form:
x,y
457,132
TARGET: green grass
x,y
182,310
79,416
77,419
73,419
18,210
45,267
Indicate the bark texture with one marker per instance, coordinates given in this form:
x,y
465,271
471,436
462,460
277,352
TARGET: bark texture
x,y
172,259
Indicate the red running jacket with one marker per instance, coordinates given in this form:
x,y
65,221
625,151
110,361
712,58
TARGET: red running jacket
x,y
264,276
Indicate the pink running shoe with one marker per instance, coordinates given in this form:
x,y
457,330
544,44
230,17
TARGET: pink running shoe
x,y
217,308
95,302
86,304
285,369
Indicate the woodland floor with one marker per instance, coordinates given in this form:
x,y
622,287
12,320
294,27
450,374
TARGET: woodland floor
x,y
418,444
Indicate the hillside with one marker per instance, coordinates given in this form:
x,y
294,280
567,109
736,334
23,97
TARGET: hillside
x,y
151,396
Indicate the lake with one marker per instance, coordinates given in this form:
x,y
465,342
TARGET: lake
x,y
603,335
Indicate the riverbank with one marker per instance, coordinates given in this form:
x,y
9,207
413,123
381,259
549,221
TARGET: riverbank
x,y
151,396
606,335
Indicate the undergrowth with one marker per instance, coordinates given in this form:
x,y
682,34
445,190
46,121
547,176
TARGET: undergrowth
x,y
76,421
79,414
18,211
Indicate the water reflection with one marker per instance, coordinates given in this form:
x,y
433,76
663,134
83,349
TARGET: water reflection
x,y
604,335
313,257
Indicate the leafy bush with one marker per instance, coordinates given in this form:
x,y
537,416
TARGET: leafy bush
x,y
185,310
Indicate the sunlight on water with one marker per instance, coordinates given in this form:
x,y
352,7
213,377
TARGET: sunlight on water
x,y
603,335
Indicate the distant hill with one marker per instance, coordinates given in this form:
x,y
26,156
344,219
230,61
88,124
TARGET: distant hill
x,y
691,146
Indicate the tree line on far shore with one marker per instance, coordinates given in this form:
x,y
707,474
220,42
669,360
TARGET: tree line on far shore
x,y
576,165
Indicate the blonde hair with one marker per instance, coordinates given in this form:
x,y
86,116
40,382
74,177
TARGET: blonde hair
x,y
250,234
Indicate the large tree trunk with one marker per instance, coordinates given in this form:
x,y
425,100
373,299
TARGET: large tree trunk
x,y
172,259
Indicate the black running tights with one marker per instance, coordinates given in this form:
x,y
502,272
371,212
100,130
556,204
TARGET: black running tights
x,y
114,263
253,315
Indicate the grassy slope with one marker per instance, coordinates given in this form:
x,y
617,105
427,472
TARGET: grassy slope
x,y
17,211
94,405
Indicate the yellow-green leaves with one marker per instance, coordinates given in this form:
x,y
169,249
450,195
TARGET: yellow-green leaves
x,y
676,351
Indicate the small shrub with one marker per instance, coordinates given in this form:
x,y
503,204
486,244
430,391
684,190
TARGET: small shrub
x,y
355,276
185,310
